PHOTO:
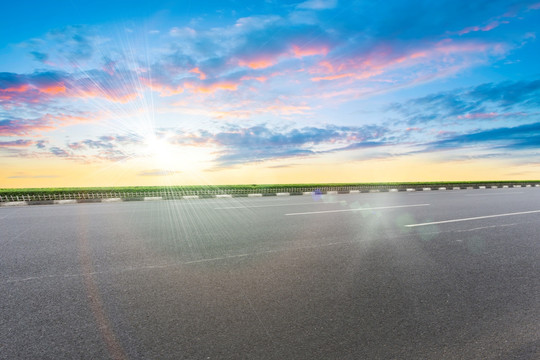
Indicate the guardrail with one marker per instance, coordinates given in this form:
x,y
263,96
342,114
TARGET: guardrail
x,y
271,191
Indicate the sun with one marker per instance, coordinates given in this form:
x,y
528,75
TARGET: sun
x,y
173,158
160,151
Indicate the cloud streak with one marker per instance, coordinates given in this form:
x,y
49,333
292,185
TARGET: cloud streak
x,y
510,99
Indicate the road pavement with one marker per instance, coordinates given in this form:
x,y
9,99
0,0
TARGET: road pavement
x,y
409,275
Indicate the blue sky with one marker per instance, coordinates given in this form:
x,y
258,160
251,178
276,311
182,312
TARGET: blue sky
x,y
127,92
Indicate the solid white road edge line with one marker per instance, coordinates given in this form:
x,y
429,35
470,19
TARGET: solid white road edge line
x,y
153,198
359,209
62,202
474,218
14,203
111,200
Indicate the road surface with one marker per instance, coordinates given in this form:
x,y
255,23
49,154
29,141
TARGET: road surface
x,y
420,275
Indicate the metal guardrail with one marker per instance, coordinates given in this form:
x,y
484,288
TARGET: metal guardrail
x,y
179,194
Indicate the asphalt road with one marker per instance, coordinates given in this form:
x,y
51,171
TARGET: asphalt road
x,y
328,277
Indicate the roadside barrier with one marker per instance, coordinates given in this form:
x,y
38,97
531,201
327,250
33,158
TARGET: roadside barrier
x,y
66,197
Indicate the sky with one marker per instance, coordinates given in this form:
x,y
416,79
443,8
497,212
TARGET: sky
x,y
123,93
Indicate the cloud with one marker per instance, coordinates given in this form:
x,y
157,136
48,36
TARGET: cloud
x,y
492,25
21,175
508,99
260,143
30,88
72,42
156,172
44,86
504,138
56,151
16,127
318,4
41,144
282,166
217,61
39,56
390,58
17,143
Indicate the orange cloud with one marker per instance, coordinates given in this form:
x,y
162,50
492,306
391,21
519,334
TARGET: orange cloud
x,y
258,63
119,98
284,109
300,52
258,78
16,89
208,89
196,70
54,89
332,77
162,89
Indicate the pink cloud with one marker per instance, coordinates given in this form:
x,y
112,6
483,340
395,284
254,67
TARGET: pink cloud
x,y
492,25
39,87
386,58
13,127
490,115
47,122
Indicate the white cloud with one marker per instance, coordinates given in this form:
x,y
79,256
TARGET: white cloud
x,y
318,4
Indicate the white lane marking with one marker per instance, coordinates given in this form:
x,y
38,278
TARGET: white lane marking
x,y
474,218
496,193
359,209
486,227
261,206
